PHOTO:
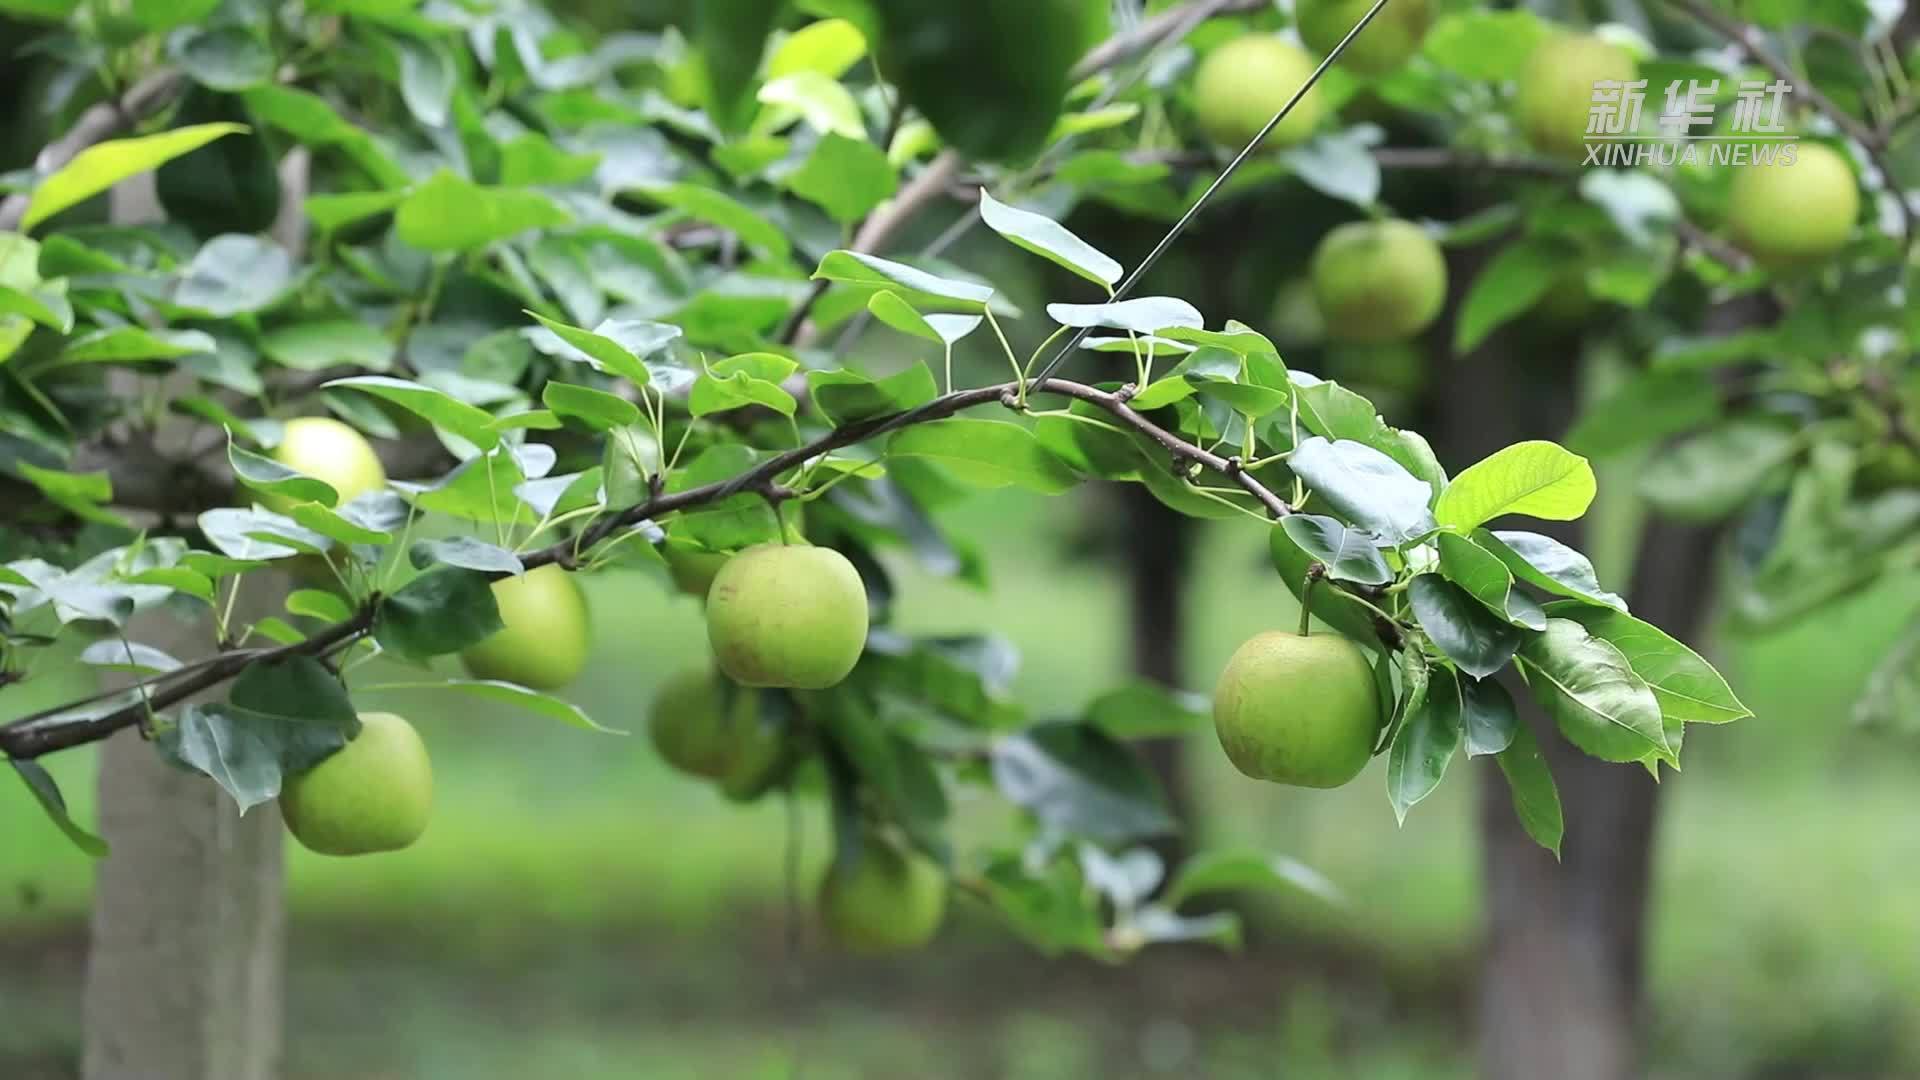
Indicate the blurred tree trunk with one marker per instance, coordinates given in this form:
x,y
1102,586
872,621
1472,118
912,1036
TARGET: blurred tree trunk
x,y
187,935
1155,542
1561,983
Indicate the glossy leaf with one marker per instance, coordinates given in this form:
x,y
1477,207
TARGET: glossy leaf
x,y
434,406
1548,564
1461,627
1536,799
47,793
1586,684
1687,687
1418,758
1539,479
1048,239
105,164
442,611
985,453
1366,487
1347,553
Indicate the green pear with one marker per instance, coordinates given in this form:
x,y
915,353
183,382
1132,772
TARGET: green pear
x,y
1393,35
787,615
1555,95
887,899
1378,281
1241,84
705,726
1785,215
544,642
326,449
374,794
1297,710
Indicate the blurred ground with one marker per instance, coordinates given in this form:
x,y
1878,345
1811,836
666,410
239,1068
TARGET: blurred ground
x,y
578,911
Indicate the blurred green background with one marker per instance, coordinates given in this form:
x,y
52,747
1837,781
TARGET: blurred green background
x,y
577,910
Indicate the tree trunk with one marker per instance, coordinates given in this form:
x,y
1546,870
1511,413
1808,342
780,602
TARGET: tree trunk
x,y
184,969
1155,555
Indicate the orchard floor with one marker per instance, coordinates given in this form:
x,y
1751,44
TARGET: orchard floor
x,y
581,912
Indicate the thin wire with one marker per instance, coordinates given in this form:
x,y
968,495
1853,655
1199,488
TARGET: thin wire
x,y
1206,196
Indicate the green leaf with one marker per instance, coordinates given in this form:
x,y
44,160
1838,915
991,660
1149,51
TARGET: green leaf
x,y
308,118
233,748
890,309
1713,474
466,552
269,477
442,611
1487,716
1331,606
597,409
822,101
1593,693
915,286
1536,799
731,38
1418,758
1208,873
1461,627
235,274
1652,406
93,487
336,525
1339,164
225,57
1687,687
845,397
105,164
316,346
1079,781
531,159
722,211
1366,487
738,381
318,716
1485,46
986,453
1483,575
47,793
1145,710
427,77
616,346
1509,284
1346,552
1539,479
845,177
447,213
47,306
1142,315
119,654
1416,674
830,47
506,693
1548,564
318,604
437,408
330,212
1048,239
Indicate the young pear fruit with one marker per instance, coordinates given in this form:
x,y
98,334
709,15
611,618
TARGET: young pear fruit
x,y
1785,215
544,642
1393,35
326,449
1555,95
787,615
887,899
694,725
1378,281
1297,710
1241,84
374,794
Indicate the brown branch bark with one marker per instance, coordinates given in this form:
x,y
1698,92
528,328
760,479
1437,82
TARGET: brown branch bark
x,y
50,730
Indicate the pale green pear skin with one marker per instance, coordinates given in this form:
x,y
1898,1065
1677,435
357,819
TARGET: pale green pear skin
x,y
1555,95
1394,35
1241,84
1297,710
1378,281
1785,215
546,637
697,729
326,449
787,615
889,900
374,794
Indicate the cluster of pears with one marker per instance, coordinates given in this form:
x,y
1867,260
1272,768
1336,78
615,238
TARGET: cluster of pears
x,y
787,617
1789,211
1297,709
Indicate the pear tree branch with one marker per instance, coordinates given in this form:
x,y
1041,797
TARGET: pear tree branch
x,y
67,726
